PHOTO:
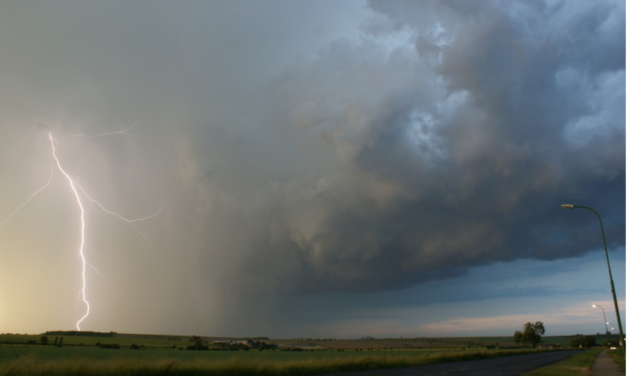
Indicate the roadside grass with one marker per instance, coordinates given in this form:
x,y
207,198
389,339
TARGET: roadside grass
x,y
31,366
576,365
618,357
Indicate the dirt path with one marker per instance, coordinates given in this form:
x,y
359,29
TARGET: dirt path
x,y
605,366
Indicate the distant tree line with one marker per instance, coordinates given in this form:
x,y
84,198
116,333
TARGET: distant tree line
x,y
80,334
583,341
108,346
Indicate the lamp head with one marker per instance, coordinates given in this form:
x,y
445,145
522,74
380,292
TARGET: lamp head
x,y
594,306
568,206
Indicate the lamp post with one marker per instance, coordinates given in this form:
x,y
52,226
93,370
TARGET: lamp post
x,y
620,326
613,330
604,318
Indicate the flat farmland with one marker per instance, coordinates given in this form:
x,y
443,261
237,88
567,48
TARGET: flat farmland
x,y
84,339
165,341
50,361
92,353
168,355
148,341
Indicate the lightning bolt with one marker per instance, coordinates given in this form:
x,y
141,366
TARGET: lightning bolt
x,y
124,131
82,247
29,198
104,134
129,222
77,190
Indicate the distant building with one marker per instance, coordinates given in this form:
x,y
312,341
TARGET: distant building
x,y
247,343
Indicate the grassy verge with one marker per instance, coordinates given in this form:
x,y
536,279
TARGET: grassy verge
x,y
618,357
576,365
31,366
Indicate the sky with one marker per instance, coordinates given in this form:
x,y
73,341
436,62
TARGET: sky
x,y
311,169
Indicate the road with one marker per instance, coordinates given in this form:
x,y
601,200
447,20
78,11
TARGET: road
x,y
505,366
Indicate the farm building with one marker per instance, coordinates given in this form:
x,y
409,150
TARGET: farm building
x,y
247,343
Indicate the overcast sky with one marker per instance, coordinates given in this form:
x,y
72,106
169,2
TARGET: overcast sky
x,y
311,168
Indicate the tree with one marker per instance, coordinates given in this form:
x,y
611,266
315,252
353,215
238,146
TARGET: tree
x,y
532,333
585,341
44,340
198,344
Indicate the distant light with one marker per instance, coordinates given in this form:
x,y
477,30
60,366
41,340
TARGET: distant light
x,y
568,206
594,305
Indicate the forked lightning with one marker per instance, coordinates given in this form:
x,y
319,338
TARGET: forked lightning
x,y
77,190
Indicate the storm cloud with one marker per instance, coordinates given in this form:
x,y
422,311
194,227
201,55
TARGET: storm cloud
x,y
303,154
428,147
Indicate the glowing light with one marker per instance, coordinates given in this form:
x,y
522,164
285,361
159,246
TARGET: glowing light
x,y
82,246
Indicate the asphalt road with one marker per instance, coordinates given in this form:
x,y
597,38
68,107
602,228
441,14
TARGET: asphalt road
x,y
504,366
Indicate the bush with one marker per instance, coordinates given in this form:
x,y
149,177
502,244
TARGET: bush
x,y
585,341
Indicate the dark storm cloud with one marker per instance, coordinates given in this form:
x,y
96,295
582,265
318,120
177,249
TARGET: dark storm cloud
x,y
394,163
301,153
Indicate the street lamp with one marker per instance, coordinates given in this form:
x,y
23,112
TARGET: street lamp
x,y
611,327
604,318
620,326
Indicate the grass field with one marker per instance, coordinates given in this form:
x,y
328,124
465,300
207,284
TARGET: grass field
x,y
91,353
163,341
97,362
80,355
576,365
426,343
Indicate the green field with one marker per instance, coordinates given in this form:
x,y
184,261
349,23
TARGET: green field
x,y
167,355
93,353
178,341
99,362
